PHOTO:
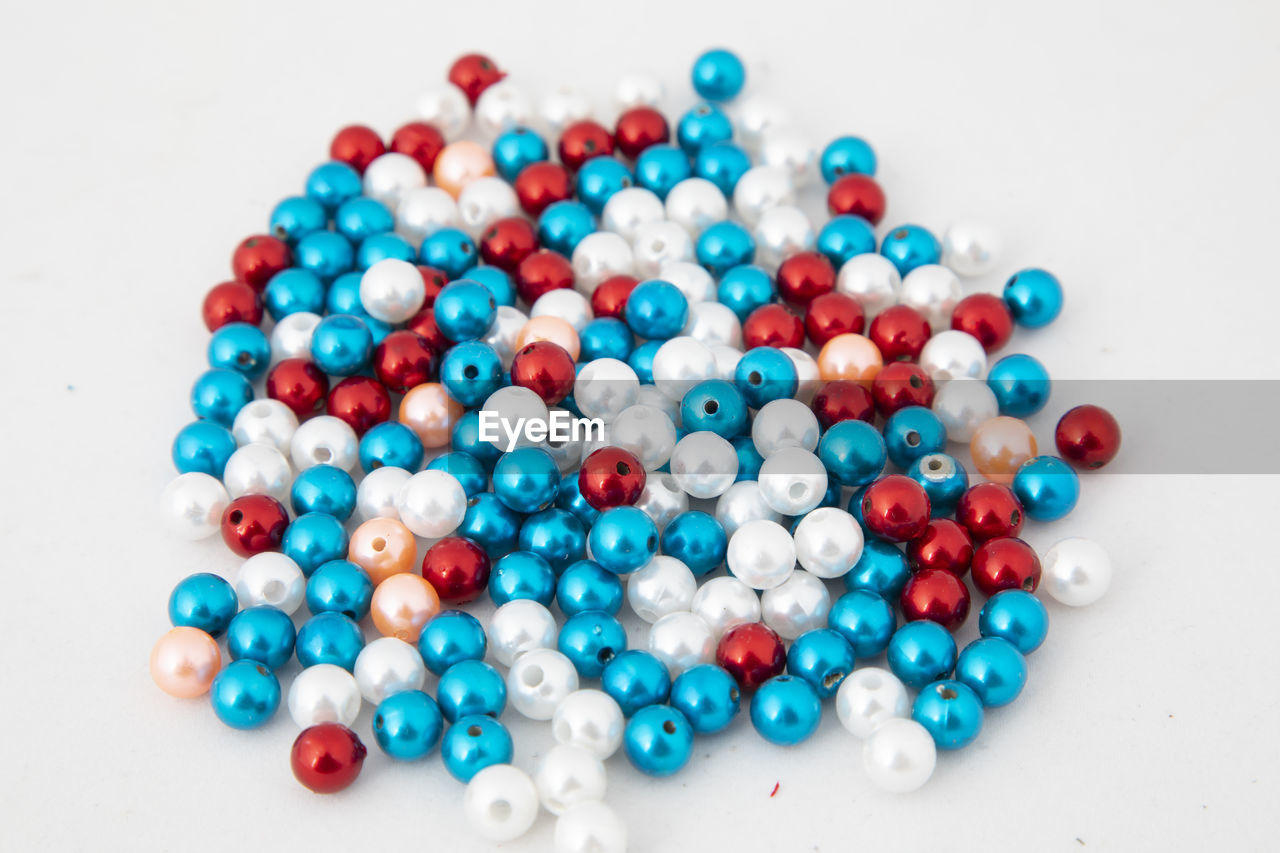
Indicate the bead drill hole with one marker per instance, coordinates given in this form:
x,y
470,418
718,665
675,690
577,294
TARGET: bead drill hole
x,y
669,727
915,382
1029,585
711,407
532,676
912,439
322,454
236,517
500,810
947,693
273,592
934,464
1015,517
378,544
832,679
605,655
474,731
470,371
653,543
754,377
797,491
623,468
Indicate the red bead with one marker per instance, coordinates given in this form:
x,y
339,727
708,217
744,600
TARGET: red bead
x,y
611,477
1005,563
944,545
988,510
299,384
752,653
610,298
859,195
433,280
899,332
986,317
473,73
539,185
542,272
842,400
583,140
805,276
773,326
546,369
419,140
896,507
936,595
639,128
507,242
404,360
258,258
253,524
424,324
357,146
231,302
833,314
457,568
327,757
361,402
901,384
1088,436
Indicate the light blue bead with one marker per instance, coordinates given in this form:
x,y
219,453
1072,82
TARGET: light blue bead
x,y
555,535
240,347
496,281
994,669
599,179
714,405
324,488
450,638
641,361
765,374
749,458
471,688
910,246
606,337
744,289
656,310
339,586
203,601
586,586
293,291
407,725
470,372
1021,385
658,740
853,451
707,696
526,479
660,167
491,524
623,539
466,438
264,634
823,658
245,694
718,75
785,710
944,480
329,638
1016,616
449,250
725,245
590,640
701,126
204,447
847,155
912,432
951,712
392,445
723,164
474,743
325,254
360,218
522,575
515,149
296,217
218,395
563,225
313,539
696,539
845,236
1034,298
465,468
333,183
380,247
882,569
464,310
1047,487
864,619
636,679
922,652
341,345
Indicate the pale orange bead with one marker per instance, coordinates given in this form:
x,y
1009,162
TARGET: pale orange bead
x,y
184,662
402,604
383,547
850,356
430,412
549,328
1000,446
459,163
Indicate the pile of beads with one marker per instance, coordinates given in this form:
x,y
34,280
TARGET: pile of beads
x,y
674,292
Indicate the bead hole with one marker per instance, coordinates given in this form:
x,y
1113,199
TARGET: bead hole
x,y
912,439
797,491
474,731
669,727
711,407
934,464
605,655
832,679
470,371
378,544
754,377
947,692
623,468
532,676
734,694
1029,585
500,810
236,517
915,382
322,454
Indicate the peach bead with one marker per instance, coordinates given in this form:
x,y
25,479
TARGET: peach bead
x,y
1000,446
459,163
383,547
402,604
184,662
549,328
430,412
850,356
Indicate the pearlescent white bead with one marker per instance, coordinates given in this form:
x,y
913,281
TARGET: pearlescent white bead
x,y
679,364
899,756
538,682
504,333
792,481
569,305
445,107
324,693
725,602
377,493
324,440
502,106
512,403
590,827
193,504
258,469
630,208
868,697
661,586
650,396
696,203
568,775
693,281
761,554
791,151
662,499
386,666
784,423
657,244
590,719
291,337
271,578
500,803
704,464
714,324
392,290
391,174
741,503
871,279
604,387
933,290
970,248
828,542
483,202
518,627
756,116
963,405
646,432
1077,571
267,421
638,89
809,378
953,355
759,189
681,640
799,604
423,211
431,503
562,107
598,256
727,358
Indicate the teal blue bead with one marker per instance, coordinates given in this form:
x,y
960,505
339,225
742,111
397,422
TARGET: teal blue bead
x,y
585,585
449,638
393,445
656,310
341,345
526,479
944,480
951,712
1017,616
696,539
823,658
555,535
922,652
994,669
339,586
658,740
203,447
864,619
641,361
749,458
765,374
522,575
912,432
701,126
910,246
333,183
464,310
1047,487
474,743
324,488
845,236
496,282
1034,298
882,568
465,436
313,539
605,337
661,167
569,497
623,539
562,226
360,218
854,508
471,688
718,75
516,148
491,524
853,451
329,638
1021,385
218,395
636,679
714,405
324,253
381,247
407,725
464,467
264,634
205,601
470,372
242,348
744,289
245,694
590,640
725,245
296,217
707,696
293,291
723,164
847,155
599,179
786,710
449,250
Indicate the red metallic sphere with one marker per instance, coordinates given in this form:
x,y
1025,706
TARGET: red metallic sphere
x,y
804,277
254,523
638,128
583,140
986,317
859,195
473,73
610,298
901,384
231,302
361,402
1088,436
900,333
842,400
896,507
1005,563
357,146
404,360
458,569
540,185
611,477
546,369
424,325
542,272
299,384
833,314
944,545
752,653
433,281
507,242
936,595
988,510
327,757
258,258
419,140
773,326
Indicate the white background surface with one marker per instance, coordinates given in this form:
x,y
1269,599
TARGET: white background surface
x,y
1128,147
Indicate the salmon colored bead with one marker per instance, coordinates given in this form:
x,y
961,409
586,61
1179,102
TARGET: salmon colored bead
x,y
548,328
184,662
402,604
430,412
383,547
1000,446
850,356
460,163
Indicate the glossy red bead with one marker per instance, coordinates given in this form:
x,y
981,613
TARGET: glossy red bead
x,y
901,384
424,325
258,258
546,369
804,277
419,140
457,568
404,360
1005,563
540,185
327,757
943,545
611,477
986,317
988,510
433,281
254,523
833,314
1088,436
773,326
473,73
752,653
896,507
859,195
231,302
638,128
542,272
507,242
610,298
361,402
583,140
936,595
900,333
299,384
357,146
843,400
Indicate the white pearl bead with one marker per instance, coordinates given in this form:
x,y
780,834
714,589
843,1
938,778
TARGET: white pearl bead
x,y
258,469
423,211
970,248
871,279
868,697
662,499
445,107
324,693
757,116
725,602
604,387
799,604
681,640
590,719
784,423
483,202
512,403
431,503
386,666
661,586
392,290
271,578
899,756
568,775
638,90
504,333
714,324
681,363
741,503
562,107
391,174
696,203
569,305
324,440
790,151
933,290
193,505
267,421
650,396
291,337
518,627
759,189
598,256
761,554
963,405
828,542
727,358
693,281
629,209
953,355
646,432
590,827
792,481
500,803
376,495
1077,571
657,244
809,378
704,464
502,106
538,682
